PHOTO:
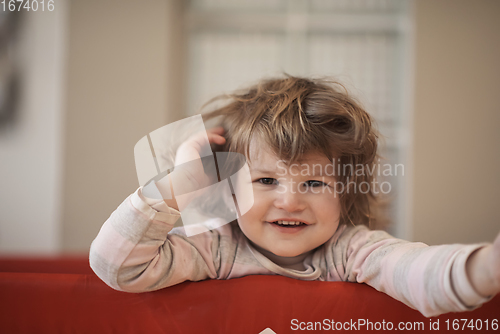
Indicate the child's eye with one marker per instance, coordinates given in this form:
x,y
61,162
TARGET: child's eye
x,y
268,181
314,183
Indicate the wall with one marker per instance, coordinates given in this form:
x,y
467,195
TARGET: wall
x,y
457,121
31,147
118,91
122,81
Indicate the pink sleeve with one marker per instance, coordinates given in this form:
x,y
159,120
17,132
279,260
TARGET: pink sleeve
x,y
135,252
431,279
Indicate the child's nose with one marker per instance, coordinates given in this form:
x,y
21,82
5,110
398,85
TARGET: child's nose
x,y
290,200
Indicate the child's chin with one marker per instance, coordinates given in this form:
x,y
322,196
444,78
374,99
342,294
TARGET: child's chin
x,y
287,253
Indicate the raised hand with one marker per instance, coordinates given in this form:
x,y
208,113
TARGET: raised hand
x,y
176,163
191,148
193,171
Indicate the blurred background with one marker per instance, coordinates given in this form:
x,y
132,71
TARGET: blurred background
x,y
81,84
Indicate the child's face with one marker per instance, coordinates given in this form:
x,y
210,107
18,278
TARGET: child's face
x,y
301,192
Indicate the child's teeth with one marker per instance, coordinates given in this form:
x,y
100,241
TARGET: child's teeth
x,y
284,222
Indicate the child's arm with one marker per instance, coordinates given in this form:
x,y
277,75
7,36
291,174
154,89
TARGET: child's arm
x,y
483,269
135,252
431,279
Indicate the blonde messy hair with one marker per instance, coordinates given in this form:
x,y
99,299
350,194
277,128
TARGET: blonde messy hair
x,y
297,115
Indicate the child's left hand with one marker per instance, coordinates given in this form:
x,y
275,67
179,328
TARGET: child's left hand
x,y
483,269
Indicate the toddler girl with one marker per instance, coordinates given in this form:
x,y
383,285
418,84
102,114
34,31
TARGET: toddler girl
x,y
294,132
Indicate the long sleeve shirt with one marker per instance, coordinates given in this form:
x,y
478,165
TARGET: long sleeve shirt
x,y
138,249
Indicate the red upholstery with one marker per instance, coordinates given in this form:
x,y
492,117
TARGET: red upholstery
x,y
76,301
47,265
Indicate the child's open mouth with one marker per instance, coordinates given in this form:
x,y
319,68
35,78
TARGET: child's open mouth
x,y
288,226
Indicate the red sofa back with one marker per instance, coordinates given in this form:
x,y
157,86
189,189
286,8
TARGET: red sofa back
x,y
64,296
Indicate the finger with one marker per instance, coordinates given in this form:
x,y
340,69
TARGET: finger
x,y
217,139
